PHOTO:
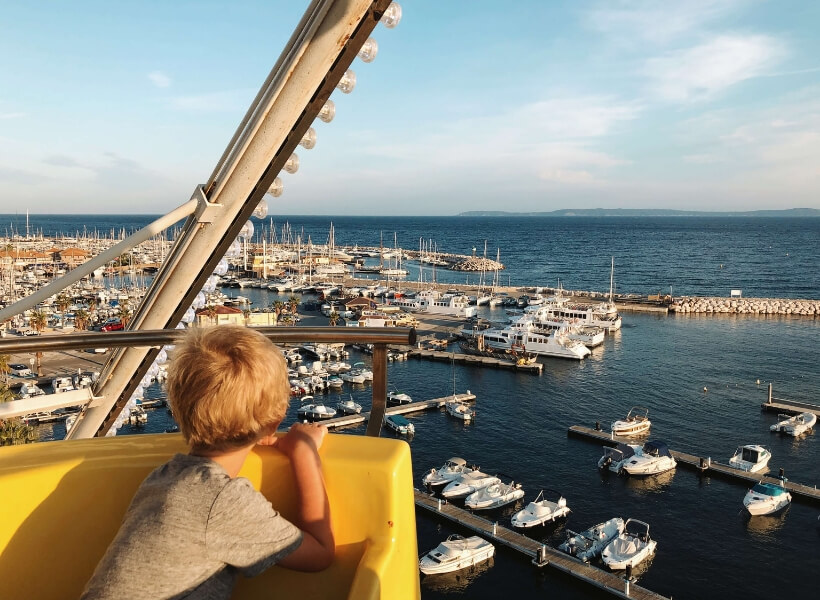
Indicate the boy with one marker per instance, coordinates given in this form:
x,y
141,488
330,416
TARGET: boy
x,y
193,525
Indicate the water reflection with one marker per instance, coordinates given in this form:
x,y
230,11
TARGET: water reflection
x,y
763,527
652,484
457,581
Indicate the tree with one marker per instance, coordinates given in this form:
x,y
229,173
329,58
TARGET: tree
x,y
39,320
293,303
13,431
334,318
124,313
62,302
4,367
211,313
81,320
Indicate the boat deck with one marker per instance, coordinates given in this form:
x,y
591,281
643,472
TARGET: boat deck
x,y
401,409
479,361
603,580
703,464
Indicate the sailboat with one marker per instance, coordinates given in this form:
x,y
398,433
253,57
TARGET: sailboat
x,y
456,407
483,297
396,270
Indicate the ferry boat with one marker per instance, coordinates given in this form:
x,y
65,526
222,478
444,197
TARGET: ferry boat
x,y
50,482
523,336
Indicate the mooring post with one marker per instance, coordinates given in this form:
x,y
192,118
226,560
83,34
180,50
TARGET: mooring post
x,y
770,394
495,527
439,504
627,579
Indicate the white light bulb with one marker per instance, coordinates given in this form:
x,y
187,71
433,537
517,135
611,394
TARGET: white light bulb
x,y
276,188
234,250
309,139
247,231
292,164
161,359
153,370
328,111
147,380
261,210
199,301
209,287
221,267
391,16
347,82
369,50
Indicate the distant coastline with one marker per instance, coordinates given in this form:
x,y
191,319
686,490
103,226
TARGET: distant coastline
x,y
644,212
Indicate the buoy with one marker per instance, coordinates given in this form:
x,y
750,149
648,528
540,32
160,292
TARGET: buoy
x,y
757,382
705,389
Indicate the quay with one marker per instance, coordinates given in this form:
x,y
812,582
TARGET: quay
x,y
478,361
778,405
540,554
704,465
396,410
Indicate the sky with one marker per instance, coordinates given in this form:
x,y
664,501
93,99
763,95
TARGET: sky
x,y
124,107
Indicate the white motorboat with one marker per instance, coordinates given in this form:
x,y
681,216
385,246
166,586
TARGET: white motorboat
x,y
314,411
635,423
62,384
395,397
591,542
751,458
30,390
494,496
654,458
400,425
459,410
541,510
452,469
362,369
467,483
614,458
795,425
456,553
348,407
137,416
767,498
632,546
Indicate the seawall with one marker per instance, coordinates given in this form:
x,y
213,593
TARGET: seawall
x,y
747,306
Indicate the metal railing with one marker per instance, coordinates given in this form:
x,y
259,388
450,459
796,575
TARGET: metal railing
x,y
380,337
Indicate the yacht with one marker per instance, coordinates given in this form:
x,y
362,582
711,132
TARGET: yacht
x,y
540,511
452,469
467,483
456,305
635,423
456,553
394,397
495,495
751,458
767,498
62,384
795,425
591,542
654,458
544,319
523,336
459,410
632,546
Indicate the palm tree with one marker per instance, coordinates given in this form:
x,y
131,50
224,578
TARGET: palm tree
x,y
124,313
6,395
81,320
211,313
293,303
39,320
278,307
14,432
4,367
62,302
334,318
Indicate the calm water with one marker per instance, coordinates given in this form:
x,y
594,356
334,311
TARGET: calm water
x,y
707,548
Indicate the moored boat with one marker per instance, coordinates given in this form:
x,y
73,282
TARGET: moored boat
x,y
459,410
400,425
349,407
653,459
457,552
632,546
467,483
495,495
591,542
795,425
540,511
314,411
767,498
635,423
452,469
751,458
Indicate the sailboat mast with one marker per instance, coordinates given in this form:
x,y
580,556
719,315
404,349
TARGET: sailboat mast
x,y
611,279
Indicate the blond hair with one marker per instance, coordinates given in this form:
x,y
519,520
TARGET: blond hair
x,y
227,386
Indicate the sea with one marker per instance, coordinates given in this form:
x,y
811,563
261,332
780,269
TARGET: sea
x,y
702,378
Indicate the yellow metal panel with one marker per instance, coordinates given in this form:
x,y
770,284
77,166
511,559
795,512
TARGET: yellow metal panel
x,y
62,503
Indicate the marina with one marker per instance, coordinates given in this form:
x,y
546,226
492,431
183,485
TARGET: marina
x,y
403,409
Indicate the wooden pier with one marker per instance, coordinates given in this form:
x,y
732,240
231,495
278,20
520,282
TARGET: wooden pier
x,y
703,465
540,554
395,410
478,361
789,408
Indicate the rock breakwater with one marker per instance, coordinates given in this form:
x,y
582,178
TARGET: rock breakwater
x,y
746,306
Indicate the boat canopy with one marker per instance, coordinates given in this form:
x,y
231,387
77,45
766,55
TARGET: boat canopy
x,y
622,451
398,420
656,448
769,489
751,453
457,462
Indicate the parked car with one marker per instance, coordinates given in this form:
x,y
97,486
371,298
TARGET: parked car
x,y
112,326
20,370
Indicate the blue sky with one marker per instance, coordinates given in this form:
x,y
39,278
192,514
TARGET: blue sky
x,y
470,105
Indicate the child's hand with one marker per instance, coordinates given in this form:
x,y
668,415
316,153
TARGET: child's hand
x,y
301,433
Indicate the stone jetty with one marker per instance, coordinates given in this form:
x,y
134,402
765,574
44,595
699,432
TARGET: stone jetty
x,y
476,264
746,306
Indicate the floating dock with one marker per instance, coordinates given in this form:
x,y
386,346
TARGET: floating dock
x,y
703,465
540,554
478,361
789,408
396,410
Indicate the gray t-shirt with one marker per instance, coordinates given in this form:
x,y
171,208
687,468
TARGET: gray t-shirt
x,y
189,531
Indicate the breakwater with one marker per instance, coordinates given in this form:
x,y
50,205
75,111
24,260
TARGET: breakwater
x,y
748,306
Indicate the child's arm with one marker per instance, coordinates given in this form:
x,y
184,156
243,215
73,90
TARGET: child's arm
x,y
301,445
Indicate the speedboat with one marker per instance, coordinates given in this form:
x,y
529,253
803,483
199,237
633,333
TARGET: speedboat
x,y
540,510
467,483
361,368
400,425
795,425
590,543
495,495
457,552
632,546
751,458
452,469
352,377
459,410
315,411
767,498
614,458
348,407
635,423
653,458
30,390
394,397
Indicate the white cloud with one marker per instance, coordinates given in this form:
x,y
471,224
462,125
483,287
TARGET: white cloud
x,y
12,115
702,72
159,79
659,22
230,100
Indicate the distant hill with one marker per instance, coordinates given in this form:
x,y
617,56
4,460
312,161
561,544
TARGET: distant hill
x,y
644,212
